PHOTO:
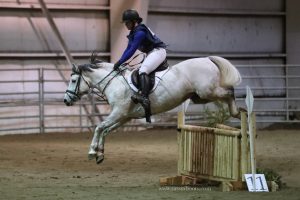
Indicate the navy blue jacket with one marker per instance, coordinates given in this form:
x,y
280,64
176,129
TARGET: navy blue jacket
x,y
143,39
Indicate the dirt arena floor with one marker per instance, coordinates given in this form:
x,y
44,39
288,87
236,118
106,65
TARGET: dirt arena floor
x,y
55,166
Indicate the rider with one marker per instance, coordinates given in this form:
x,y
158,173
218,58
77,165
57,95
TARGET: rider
x,y
142,38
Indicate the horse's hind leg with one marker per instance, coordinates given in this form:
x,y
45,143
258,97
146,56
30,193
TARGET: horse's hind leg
x,y
233,109
227,95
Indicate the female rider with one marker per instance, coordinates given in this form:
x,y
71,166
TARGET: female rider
x,y
142,38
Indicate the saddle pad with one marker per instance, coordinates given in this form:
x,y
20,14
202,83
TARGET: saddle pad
x,y
158,77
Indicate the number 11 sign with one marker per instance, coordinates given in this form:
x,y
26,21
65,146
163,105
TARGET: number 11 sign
x,y
260,183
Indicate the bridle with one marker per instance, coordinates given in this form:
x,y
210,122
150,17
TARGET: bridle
x,y
74,95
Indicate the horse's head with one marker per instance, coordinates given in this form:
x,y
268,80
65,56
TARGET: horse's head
x,y
84,77
77,87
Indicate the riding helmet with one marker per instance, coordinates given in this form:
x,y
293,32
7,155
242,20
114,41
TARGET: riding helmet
x,y
131,15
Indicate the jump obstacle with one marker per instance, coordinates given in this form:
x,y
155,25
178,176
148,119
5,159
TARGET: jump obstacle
x,y
220,154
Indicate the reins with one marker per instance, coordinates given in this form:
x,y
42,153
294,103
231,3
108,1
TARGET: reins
x,y
128,63
122,68
102,95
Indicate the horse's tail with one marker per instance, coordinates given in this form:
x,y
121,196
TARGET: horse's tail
x,y
230,76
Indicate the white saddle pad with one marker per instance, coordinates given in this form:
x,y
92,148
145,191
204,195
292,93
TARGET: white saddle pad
x,y
158,77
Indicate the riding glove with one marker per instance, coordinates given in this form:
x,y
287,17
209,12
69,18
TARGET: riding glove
x,y
116,66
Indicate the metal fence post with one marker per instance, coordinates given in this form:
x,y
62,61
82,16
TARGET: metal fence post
x,y
80,116
93,109
41,99
287,92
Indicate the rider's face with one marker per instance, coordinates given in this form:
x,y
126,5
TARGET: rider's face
x,y
130,25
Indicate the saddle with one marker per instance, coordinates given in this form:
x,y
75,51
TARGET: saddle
x,y
134,78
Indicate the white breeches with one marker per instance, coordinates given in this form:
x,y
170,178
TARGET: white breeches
x,y
153,59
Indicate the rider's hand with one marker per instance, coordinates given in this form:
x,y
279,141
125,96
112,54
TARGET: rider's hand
x,y
116,66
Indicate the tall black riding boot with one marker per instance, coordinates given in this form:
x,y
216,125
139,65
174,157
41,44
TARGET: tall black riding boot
x,y
145,87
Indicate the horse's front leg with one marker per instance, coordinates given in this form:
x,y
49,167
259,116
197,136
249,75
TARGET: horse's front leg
x,y
106,131
94,145
113,121
97,144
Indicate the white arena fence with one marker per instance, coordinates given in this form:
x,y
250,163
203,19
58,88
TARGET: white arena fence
x,y
31,101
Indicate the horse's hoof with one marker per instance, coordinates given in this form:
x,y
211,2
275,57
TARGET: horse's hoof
x,y
99,159
91,156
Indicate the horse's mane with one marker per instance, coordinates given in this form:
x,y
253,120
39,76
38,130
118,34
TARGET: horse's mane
x,y
88,67
93,58
92,65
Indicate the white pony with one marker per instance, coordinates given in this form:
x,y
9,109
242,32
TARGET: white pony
x,y
200,79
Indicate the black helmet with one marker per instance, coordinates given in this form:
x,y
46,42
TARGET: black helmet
x,y
131,15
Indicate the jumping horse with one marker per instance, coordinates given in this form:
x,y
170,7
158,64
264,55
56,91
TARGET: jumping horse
x,y
202,80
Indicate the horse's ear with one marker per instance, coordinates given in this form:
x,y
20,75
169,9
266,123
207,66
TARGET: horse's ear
x,y
75,68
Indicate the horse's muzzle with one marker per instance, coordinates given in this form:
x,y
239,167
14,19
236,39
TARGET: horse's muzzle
x,y
67,103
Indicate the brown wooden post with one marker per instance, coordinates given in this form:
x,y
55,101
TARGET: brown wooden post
x,y
244,146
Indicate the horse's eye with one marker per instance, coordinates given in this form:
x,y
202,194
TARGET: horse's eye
x,y
73,80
